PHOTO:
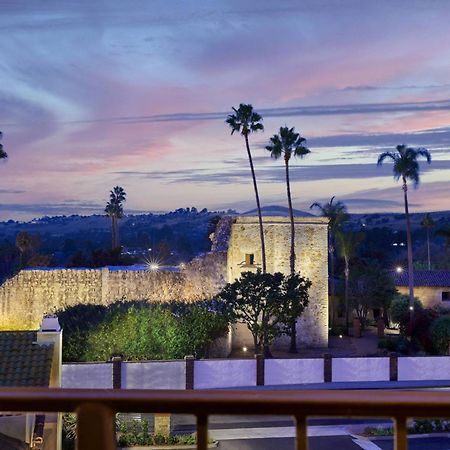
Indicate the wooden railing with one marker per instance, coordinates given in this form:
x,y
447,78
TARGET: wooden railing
x,y
96,408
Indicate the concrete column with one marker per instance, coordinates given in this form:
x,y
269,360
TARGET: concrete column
x,y
380,327
162,424
259,359
116,372
189,372
393,367
327,368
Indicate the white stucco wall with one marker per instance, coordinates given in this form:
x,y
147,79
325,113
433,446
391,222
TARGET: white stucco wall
x,y
293,371
360,369
154,375
89,375
224,373
424,368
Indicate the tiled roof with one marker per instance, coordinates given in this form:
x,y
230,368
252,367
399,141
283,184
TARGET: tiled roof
x,y
430,278
23,362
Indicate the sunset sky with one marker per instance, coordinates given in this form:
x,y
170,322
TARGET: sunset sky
x,y
95,94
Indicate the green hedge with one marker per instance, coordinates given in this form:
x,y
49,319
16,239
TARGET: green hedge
x,y
140,331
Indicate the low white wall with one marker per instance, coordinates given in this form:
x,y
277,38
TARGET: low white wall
x,y
293,371
89,375
224,373
424,368
360,369
154,375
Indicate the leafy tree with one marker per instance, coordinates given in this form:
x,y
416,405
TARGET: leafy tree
x,y
337,214
371,287
399,311
3,154
245,121
295,298
114,209
347,245
427,222
265,303
406,167
440,334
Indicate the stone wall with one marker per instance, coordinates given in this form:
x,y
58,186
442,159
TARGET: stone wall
x,y
312,262
25,298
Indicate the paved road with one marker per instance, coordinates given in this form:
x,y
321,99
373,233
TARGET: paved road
x,y
317,443
333,443
436,443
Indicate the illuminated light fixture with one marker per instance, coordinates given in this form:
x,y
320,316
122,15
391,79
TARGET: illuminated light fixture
x,y
153,267
411,308
182,265
340,336
244,349
399,269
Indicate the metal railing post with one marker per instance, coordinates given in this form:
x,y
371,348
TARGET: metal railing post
x,y
301,437
95,427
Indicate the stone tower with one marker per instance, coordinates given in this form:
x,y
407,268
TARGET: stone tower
x,y
311,244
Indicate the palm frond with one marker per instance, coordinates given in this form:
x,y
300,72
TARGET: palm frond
x,y
385,155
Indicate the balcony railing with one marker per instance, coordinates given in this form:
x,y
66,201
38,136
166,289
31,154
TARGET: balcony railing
x,y
96,408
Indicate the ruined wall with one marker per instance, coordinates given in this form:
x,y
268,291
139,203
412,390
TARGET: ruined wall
x,y
25,298
312,262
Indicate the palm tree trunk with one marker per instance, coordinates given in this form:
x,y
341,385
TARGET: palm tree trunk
x,y
293,344
258,205
410,254
428,248
117,233
113,232
291,216
331,277
347,275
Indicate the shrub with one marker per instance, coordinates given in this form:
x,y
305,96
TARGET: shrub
x,y
140,331
440,334
399,311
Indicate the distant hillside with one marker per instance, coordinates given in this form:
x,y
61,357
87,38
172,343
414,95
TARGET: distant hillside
x,y
275,210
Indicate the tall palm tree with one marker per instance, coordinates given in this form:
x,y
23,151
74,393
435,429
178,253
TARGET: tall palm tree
x,y
3,154
24,243
337,214
348,245
288,143
406,167
114,209
428,223
246,121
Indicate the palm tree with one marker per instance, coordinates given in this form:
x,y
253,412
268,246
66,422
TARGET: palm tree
x,y
427,222
246,121
288,143
348,245
337,214
445,233
3,154
406,167
24,243
114,209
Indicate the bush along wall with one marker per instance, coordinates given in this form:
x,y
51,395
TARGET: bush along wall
x,y
140,331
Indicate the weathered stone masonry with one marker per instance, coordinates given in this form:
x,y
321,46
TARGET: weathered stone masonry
x,y
311,261
25,298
